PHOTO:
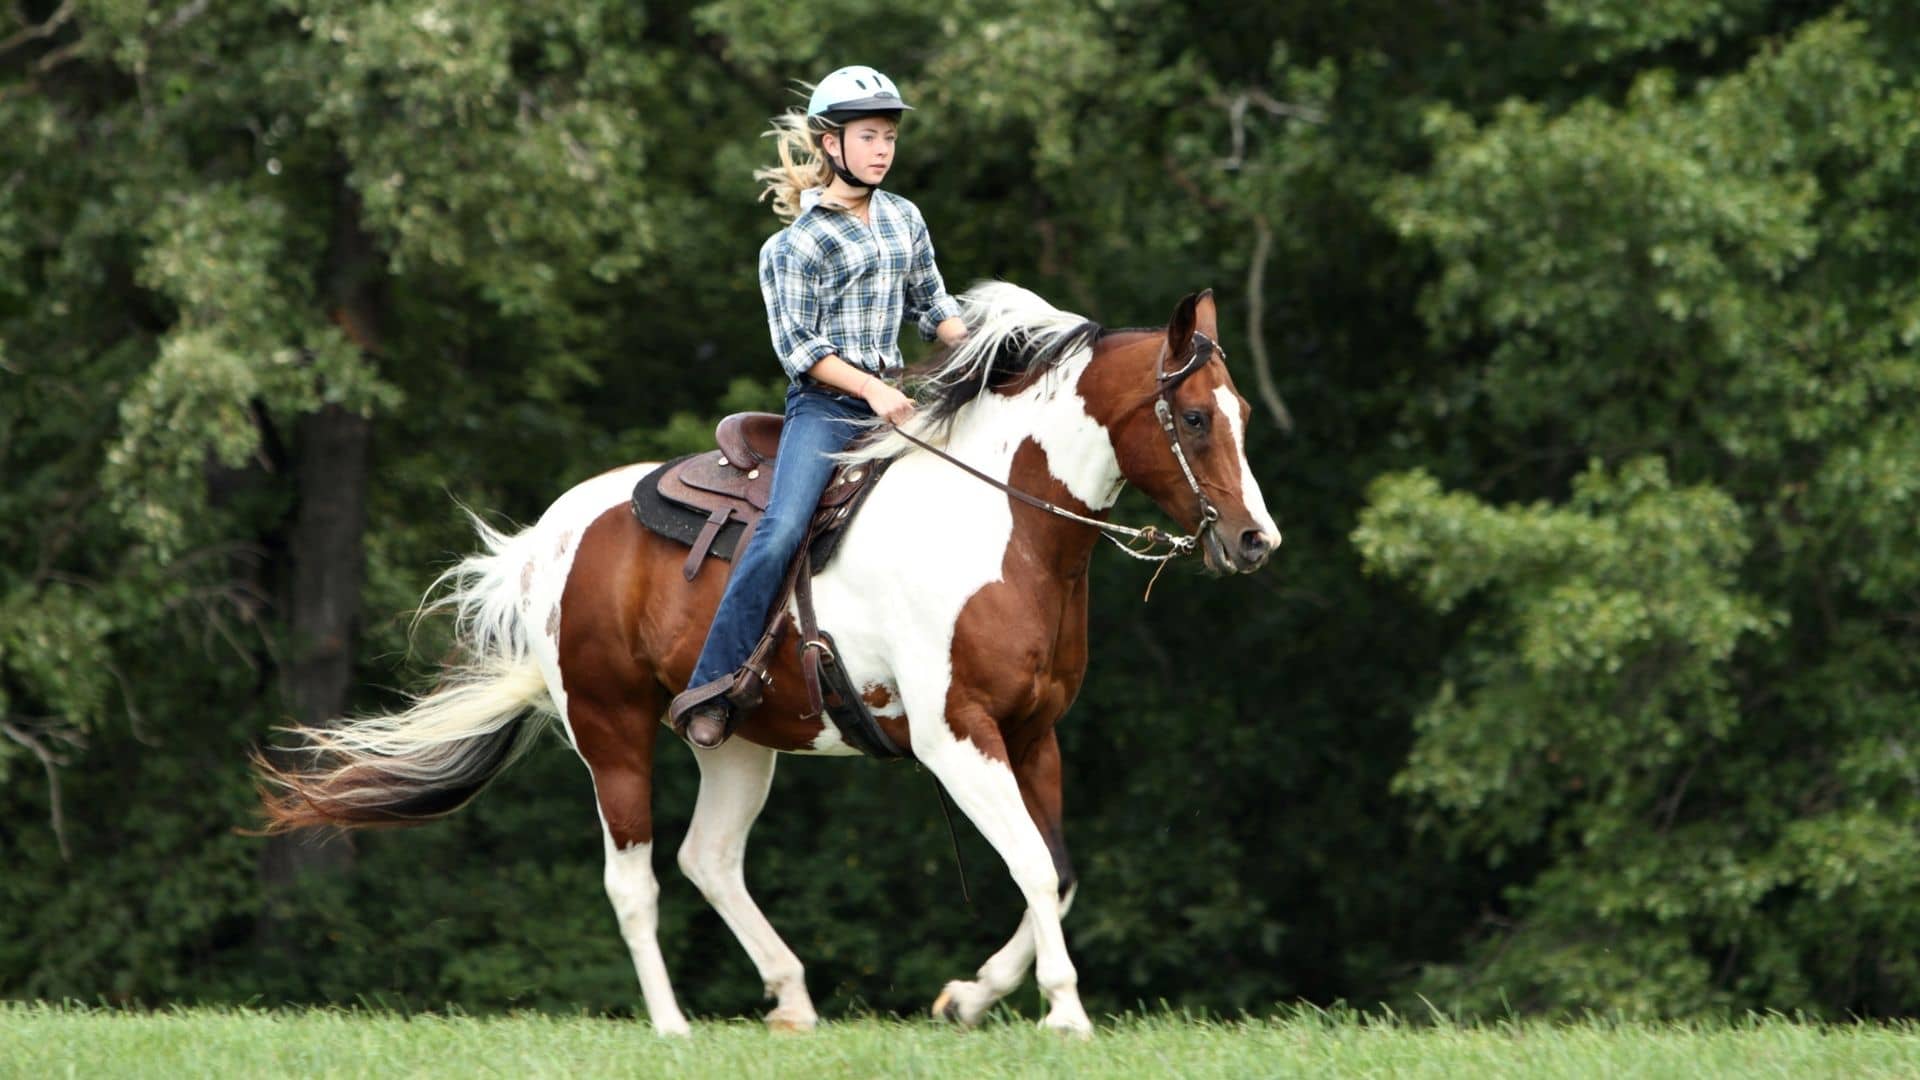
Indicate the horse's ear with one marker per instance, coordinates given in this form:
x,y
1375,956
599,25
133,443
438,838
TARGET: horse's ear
x,y
1205,317
1180,327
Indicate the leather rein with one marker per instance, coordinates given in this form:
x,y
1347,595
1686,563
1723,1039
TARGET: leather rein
x,y
1139,543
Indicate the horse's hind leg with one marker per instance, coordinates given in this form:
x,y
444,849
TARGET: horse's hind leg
x,y
616,741
966,1001
734,778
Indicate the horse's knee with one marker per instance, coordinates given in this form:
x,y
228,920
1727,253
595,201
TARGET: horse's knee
x,y
708,865
690,865
1038,878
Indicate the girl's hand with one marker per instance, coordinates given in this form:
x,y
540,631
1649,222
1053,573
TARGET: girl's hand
x,y
888,402
951,332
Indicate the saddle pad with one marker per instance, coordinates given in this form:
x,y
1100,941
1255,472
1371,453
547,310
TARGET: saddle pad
x,y
682,525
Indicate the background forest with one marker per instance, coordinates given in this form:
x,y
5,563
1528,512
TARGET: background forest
x,y
1586,678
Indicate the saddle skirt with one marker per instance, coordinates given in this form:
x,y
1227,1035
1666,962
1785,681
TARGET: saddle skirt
x,y
711,501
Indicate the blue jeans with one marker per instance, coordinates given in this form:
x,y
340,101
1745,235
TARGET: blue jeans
x,y
817,425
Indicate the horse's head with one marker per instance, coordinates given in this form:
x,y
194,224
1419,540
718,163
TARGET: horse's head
x,y
1179,431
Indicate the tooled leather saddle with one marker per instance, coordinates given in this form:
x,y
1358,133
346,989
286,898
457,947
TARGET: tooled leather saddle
x,y
711,502
728,488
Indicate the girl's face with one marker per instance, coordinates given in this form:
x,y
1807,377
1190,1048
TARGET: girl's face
x,y
868,144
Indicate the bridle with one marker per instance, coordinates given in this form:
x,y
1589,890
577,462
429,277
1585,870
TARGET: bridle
x,y
1141,542
1203,352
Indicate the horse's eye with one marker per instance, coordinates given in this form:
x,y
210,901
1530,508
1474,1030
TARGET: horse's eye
x,y
1195,419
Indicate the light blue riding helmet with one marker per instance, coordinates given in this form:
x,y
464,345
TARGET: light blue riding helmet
x,y
853,92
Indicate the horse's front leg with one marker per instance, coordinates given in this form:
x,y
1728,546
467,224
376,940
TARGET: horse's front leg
x,y
1037,770
966,752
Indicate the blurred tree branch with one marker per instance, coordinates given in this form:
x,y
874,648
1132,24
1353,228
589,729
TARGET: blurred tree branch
x,y
36,31
50,761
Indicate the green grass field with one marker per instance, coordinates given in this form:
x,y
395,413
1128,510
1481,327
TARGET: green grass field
x,y
54,1041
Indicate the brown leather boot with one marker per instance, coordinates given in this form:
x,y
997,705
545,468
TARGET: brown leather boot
x,y
703,714
708,724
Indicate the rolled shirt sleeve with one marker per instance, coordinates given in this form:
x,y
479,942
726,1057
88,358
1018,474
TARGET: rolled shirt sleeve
x,y
789,284
927,299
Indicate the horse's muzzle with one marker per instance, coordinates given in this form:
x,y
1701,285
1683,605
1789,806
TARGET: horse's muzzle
x,y
1252,552
1255,547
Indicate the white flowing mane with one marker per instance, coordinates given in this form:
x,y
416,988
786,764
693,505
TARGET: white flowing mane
x,y
1012,332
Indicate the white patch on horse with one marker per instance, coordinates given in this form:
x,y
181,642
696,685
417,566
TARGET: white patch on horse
x,y
635,894
931,536
1255,503
1080,451
734,778
985,789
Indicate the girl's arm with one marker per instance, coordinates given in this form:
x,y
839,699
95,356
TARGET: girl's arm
x,y
879,396
790,286
937,314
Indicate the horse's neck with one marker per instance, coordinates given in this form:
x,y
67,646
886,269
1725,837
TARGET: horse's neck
x,y
1078,470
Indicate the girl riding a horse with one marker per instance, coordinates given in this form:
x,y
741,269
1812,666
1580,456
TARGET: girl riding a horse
x,y
958,596
836,281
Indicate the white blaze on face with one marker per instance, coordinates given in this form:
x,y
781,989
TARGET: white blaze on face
x,y
1249,487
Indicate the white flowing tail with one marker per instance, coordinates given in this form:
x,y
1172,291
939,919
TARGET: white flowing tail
x,y
431,758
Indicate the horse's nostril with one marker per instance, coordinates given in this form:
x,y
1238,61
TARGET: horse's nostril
x,y
1254,544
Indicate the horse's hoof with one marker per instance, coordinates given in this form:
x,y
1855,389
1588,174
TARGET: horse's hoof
x,y
947,1007
1077,1028
675,1028
790,1025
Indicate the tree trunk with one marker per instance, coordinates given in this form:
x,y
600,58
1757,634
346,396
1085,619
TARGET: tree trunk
x,y
324,551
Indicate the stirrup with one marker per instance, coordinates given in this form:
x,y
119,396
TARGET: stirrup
x,y
739,692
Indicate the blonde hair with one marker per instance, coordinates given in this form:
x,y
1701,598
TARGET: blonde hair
x,y
803,163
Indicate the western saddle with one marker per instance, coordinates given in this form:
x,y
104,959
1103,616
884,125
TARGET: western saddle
x,y
711,501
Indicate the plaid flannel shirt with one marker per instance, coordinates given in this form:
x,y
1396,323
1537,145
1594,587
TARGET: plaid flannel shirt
x,y
834,284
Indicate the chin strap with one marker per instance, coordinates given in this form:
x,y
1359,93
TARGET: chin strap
x,y
840,170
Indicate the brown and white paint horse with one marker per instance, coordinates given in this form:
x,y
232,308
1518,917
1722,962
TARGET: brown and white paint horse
x,y
962,613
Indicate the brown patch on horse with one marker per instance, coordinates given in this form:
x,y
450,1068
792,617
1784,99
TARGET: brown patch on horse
x,y
669,617
611,702
1020,643
877,697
